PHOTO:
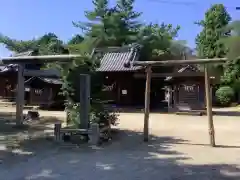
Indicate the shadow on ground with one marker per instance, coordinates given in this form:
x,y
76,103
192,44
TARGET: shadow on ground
x,y
125,157
13,138
226,113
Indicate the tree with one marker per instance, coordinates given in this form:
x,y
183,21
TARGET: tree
x,y
120,25
50,44
110,26
46,44
208,44
71,88
77,39
128,23
18,46
232,42
156,40
234,28
231,76
179,49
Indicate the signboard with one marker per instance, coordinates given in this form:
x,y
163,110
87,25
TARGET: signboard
x,y
124,92
108,87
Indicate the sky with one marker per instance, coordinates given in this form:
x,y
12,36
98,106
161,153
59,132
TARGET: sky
x,y
27,19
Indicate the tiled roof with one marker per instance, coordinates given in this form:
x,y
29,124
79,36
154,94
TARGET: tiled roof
x,y
27,53
193,68
117,59
9,67
52,81
47,80
14,67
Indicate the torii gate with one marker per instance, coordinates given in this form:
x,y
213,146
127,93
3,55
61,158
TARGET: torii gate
x,y
21,61
148,65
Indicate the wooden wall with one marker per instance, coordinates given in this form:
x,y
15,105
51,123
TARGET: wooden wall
x,y
40,96
189,94
118,87
7,85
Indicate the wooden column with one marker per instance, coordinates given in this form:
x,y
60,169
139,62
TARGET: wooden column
x,y
84,100
147,103
20,96
175,91
209,107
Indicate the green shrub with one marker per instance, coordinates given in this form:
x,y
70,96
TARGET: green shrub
x,y
71,88
225,95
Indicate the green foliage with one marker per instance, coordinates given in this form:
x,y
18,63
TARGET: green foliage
x,y
231,74
70,74
156,40
103,115
208,44
178,48
77,39
110,26
46,44
50,44
18,45
70,89
232,43
233,28
120,25
225,95
208,41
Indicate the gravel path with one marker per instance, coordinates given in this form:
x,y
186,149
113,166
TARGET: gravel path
x,y
178,150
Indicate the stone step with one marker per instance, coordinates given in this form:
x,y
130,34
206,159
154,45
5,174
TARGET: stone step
x,y
192,113
5,104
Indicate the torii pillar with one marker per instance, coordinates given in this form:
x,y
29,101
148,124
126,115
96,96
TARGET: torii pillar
x,y
20,95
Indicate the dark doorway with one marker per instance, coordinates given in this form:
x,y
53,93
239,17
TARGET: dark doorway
x,y
138,92
158,94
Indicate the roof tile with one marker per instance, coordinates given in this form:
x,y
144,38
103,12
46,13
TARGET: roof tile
x,y
118,60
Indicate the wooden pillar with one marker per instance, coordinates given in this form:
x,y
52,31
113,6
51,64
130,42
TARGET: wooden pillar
x,y
169,91
50,96
84,100
147,103
20,96
175,92
209,107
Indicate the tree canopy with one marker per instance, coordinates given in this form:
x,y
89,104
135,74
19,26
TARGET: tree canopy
x,y
117,25
46,44
231,75
207,41
120,25
17,45
110,26
221,38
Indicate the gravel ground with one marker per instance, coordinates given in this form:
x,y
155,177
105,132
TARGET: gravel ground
x,y
178,150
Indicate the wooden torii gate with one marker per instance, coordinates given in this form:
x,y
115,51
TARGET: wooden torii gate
x,y
22,61
148,65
